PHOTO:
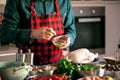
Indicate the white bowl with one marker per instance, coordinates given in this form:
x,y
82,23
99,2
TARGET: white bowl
x,y
13,71
59,41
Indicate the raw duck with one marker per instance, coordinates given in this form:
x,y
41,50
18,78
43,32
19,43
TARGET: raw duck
x,y
82,55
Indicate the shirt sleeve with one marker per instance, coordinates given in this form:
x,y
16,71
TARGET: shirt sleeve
x,y
9,32
69,23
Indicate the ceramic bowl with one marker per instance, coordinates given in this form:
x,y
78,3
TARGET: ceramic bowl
x,y
59,41
88,73
13,71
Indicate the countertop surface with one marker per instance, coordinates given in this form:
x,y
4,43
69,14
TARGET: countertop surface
x,y
8,50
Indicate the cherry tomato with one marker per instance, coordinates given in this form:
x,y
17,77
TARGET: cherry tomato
x,y
54,77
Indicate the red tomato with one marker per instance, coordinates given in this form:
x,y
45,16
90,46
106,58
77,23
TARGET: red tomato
x,y
54,77
44,78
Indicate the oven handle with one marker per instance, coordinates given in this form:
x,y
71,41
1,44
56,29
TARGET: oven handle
x,y
80,20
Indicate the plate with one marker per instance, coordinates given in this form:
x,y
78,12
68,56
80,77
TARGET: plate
x,y
111,60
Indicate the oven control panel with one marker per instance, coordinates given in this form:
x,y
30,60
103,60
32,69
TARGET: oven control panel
x,y
89,11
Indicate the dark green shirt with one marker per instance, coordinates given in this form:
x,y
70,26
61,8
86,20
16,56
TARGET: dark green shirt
x,y
16,23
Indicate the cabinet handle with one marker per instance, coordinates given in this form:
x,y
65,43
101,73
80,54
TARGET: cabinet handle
x,y
89,20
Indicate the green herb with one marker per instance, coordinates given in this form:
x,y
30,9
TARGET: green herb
x,y
67,67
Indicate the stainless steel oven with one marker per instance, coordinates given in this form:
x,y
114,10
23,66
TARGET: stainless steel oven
x,y
90,26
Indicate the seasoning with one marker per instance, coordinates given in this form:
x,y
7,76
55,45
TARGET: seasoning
x,y
29,57
102,70
20,57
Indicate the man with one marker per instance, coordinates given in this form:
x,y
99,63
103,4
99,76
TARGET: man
x,y
32,24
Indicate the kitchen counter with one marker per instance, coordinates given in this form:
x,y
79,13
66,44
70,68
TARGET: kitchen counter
x,y
8,49
8,53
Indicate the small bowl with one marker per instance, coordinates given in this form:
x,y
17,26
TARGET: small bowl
x,y
59,41
88,73
89,70
42,71
42,74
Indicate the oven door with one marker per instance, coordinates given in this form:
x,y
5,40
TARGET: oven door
x,y
90,33
90,26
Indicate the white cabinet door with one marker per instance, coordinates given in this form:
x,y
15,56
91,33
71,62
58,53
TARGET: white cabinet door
x,y
112,27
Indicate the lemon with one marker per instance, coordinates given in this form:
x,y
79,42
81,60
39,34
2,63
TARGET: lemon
x,y
107,78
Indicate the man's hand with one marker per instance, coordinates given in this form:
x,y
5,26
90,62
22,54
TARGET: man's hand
x,y
43,33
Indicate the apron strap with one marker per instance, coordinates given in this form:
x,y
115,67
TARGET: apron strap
x,y
32,7
57,7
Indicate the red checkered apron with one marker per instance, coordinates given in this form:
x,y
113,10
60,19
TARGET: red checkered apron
x,y
45,51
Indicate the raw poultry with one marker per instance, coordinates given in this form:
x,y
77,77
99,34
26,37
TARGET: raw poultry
x,y
82,55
